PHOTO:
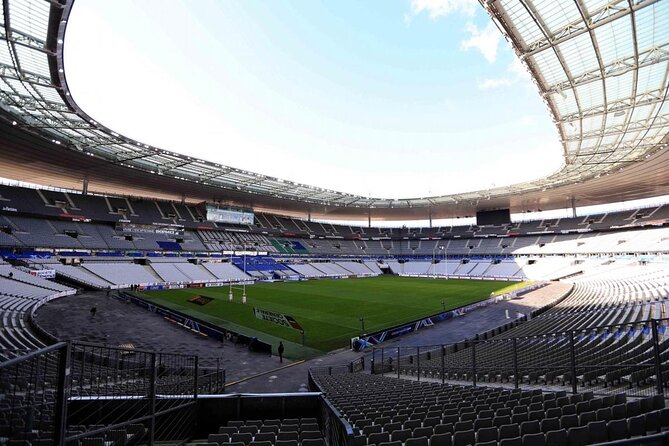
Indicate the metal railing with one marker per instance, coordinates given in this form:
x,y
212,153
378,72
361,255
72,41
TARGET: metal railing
x,y
72,391
631,358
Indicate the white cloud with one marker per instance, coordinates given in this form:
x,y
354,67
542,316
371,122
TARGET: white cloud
x,y
515,72
486,41
488,84
441,8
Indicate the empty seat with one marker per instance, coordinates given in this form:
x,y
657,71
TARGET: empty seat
x,y
313,442
243,437
529,427
464,438
265,436
509,431
597,432
421,441
487,434
401,435
586,417
378,438
218,438
550,424
556,438
617,429
444,439
578,436
422,432
535,439
516,441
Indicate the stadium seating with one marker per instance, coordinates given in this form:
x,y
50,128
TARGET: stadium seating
x,y
437,414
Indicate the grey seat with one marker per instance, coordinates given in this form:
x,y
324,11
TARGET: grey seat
x,y
313,442
287,436
378,437
422,432
556,438
401,435
550,424
443,428
529,427
464,438
617,429
421,441
265,436
535,439
586,417
653,422
445,439
516,441
487,434
218,438
244,437
597,432
578,436
509,431
636,426
569,421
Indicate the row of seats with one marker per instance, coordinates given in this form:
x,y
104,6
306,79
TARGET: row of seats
x,y
385,410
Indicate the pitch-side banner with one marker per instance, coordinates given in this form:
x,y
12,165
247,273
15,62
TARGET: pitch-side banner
x,y
277,318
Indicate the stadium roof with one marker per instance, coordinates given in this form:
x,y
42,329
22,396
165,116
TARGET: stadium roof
x,y
600,66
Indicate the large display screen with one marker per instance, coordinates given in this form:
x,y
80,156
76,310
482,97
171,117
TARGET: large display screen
x,y
498,217
229,216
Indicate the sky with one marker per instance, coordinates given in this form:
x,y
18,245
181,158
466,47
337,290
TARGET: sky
x,y
380,98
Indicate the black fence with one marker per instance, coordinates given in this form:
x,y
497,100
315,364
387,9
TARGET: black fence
x,y
631,358
71,392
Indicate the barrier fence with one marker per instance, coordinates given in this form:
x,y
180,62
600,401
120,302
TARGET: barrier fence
x,y
631,358
75,391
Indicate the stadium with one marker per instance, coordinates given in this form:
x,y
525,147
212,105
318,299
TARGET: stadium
x,y
153,297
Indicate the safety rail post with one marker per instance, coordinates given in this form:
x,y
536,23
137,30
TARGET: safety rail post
x,y
62,393
152,399
418,362
398,363
516,379
372,368
383,363
657,357
195,380
474,363
443,365
572,360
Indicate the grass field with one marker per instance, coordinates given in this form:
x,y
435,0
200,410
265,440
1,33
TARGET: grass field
x,y
329,310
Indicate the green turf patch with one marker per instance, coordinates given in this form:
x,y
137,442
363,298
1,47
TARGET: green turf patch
x,y
330,310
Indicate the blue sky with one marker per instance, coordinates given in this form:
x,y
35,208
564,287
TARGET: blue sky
x,y
387,98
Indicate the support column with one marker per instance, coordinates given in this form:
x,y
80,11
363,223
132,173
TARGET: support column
x,y
573,207
84,185
369,218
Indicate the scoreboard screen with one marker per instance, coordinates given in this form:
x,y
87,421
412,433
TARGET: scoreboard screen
x,y
498,217
230,216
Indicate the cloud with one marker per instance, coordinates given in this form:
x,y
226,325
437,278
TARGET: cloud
x,y
488,84
515,72
436,9
485,41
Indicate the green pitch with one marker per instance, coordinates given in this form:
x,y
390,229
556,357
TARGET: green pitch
x,y
329,310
